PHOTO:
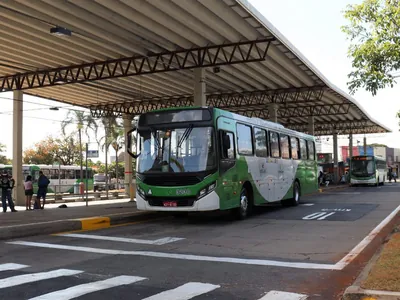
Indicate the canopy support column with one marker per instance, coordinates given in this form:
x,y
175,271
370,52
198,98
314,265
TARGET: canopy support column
x,y
18,192
350,146
129,189
365,145
199,87
335,157
273,112
311,125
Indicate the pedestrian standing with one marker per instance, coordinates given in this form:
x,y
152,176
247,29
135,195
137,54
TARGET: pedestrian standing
x,y
7,184
43,183
28,185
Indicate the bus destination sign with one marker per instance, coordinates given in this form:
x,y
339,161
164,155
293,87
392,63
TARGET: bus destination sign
x,y
362,158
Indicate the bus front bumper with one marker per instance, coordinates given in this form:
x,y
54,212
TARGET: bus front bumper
x,y
207,203
363,181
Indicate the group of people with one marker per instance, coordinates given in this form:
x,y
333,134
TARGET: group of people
x,y
7,183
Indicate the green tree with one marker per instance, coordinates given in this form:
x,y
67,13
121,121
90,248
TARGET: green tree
x,y
41,153
374,30
82,121
67,150
63,150
3,158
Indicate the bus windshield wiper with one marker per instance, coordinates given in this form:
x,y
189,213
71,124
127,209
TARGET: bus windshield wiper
x,y
156,141
185,135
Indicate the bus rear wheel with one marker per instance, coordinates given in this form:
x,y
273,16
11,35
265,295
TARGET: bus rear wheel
x,y
296,196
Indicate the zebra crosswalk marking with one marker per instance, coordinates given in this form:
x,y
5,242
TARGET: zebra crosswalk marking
x,y
27,278
185,292
278,295
83,289
11,267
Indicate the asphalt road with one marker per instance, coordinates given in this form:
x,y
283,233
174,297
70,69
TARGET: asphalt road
x,y
279,253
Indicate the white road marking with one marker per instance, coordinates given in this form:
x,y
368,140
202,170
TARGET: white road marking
x,y
307,204
259,262
162,241
299,265
27,278
277,295
364,243
11,266
185,292
83,289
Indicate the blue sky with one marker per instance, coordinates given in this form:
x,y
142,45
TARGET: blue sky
x,y
312,26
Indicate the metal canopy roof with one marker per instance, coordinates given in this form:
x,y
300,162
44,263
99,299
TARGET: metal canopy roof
x,y
131,56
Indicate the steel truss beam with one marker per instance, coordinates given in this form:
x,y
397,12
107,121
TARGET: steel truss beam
x,y
295,112
355,130
229,101
341,127
213,55
279,96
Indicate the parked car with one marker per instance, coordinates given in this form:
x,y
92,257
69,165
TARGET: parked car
x,y
99,183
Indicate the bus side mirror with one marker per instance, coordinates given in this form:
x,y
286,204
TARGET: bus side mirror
x,y
129,144
226,142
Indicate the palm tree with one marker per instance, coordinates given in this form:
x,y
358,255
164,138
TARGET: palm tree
x,y
82,121
113,136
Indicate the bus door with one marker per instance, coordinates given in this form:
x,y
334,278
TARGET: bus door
x,y
227,163
275,170
286,168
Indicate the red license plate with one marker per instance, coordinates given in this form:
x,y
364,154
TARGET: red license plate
x,y
170,203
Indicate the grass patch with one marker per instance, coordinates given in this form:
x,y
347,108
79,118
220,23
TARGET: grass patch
x,y
385,274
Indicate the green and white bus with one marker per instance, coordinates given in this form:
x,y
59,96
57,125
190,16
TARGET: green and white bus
x,y
62,178
368,169
203,159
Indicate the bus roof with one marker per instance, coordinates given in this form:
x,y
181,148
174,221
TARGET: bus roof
x,y
254,121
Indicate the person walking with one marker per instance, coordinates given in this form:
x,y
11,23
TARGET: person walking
x,y
43,183
7,184
28,186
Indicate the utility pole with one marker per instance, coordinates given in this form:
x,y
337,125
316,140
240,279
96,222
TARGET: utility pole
x,y
87,175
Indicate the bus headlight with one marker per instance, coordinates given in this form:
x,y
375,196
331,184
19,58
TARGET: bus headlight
x,y
140,191
207,189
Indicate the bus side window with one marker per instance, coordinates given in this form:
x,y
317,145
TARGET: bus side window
x,y
294,143
227,145
284,141
244,139
274,144
303,150
260,138
311,150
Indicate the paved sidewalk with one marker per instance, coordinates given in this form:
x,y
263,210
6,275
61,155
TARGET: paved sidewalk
x,y
75,217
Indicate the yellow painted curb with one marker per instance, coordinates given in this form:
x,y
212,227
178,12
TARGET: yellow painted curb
x,y
95,223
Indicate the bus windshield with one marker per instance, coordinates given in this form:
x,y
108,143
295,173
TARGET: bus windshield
x,y
363,168
177,150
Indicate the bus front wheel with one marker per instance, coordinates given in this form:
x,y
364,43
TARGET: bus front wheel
x,y
243,211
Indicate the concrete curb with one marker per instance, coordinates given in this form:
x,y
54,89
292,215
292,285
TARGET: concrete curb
x,y
357,293
59,226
